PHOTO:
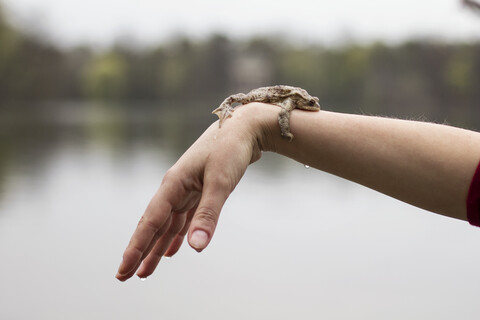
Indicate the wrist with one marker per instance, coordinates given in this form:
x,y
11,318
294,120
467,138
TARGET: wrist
x,y
263,120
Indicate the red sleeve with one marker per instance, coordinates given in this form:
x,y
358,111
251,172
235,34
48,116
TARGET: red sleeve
x,y
473,199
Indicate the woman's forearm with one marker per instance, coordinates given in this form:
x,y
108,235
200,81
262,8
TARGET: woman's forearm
x,y
424,164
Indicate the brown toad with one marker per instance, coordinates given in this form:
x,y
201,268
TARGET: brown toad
x,y
286,97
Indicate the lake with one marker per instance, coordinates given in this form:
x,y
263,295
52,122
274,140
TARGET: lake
x,y
292,243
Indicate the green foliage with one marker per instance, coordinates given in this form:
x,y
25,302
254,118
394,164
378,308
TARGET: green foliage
x,y
30,69
8,43
302,67
416,78
175,67
105,77
459,71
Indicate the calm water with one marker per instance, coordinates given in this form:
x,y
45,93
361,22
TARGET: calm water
x,y
292,243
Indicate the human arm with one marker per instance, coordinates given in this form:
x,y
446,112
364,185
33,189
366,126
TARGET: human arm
x,y
427,165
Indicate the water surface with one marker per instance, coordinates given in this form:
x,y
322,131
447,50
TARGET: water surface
x,y
292,243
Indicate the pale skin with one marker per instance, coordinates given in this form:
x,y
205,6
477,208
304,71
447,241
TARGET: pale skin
x,y
427,165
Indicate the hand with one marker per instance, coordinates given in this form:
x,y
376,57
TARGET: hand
x,y
193,192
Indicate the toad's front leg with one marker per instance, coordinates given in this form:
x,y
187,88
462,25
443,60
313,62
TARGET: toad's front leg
x,y
284,119
225,110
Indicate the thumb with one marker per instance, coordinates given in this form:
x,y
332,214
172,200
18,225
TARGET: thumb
x,y
206,216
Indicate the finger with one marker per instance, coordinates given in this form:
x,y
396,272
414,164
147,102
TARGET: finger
x,y
151,261
178,240
152,225
128,274
148,266
175,245
214,194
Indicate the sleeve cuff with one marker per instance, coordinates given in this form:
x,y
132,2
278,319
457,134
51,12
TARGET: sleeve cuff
x,y
473,200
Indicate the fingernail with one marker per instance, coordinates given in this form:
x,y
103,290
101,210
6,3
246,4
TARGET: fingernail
x,y
121,271
199,240
120,274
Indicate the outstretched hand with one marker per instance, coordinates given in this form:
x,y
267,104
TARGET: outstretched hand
x,y
192,194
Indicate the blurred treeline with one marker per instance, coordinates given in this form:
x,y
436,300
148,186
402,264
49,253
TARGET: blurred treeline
x,y
419,78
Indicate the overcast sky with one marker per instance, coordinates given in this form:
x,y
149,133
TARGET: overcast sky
x,y
102,21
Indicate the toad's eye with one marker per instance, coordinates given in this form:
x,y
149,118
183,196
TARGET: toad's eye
x,y
311,103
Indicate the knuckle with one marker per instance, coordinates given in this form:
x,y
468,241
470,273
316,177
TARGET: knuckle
x,y
149,224
222,179
155,256
171,176
133,252
222,182
136,250
206,215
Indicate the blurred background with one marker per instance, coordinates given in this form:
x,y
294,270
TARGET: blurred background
x,y
99,98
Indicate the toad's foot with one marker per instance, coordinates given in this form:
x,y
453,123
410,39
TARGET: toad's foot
x,y
223,113
287,135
